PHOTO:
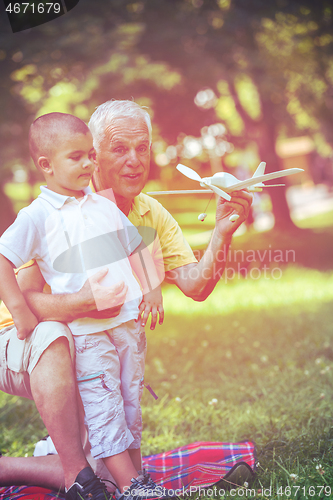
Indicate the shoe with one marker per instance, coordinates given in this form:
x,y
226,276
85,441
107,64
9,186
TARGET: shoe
x,y
146,479
239,474
144,488
87,486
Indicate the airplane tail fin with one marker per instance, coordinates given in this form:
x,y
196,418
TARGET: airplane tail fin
x,y
260,170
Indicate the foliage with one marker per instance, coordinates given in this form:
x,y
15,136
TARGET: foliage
x,y
267,65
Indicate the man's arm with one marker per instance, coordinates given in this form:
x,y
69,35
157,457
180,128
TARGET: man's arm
x,y
68,307
199,280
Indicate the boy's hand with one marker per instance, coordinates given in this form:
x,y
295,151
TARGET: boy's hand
x,y
25,323
152,302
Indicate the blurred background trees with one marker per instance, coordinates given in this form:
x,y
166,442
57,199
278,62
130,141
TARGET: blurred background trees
x,y
224,80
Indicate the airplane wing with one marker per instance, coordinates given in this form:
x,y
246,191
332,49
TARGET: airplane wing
x,y
181,191
213,189
262,178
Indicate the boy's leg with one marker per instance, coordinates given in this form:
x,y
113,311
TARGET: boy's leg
x,y
98,375
135,454
130,342
122,469
45,356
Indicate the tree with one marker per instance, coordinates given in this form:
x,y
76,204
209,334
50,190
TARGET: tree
x,y
269,64
277,54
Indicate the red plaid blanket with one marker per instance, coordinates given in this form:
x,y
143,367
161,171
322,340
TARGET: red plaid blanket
x,y
198,464
28,493
195,465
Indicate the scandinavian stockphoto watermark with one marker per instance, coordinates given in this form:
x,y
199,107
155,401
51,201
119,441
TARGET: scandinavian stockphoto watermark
x,y
230,264
251,264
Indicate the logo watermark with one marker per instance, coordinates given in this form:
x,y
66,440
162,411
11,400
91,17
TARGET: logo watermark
x,y
26,15
211,492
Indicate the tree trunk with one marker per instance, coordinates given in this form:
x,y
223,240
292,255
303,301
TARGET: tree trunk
x,y
6,210
268,154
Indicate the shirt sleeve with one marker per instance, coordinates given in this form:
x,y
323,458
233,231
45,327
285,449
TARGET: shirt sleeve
x,y
175,250
20,242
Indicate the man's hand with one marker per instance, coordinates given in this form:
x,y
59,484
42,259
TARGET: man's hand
x,y
239,204
102,302
152,302
25,322
68,307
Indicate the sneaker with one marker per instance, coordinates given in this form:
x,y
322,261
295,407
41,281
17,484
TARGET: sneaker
x,y
146,479
87,486
144,488
241,474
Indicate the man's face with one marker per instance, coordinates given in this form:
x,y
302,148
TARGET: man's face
x,y
124,158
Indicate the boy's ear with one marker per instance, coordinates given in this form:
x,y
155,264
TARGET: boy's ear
x,y
44,165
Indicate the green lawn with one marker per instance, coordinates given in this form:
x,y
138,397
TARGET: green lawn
x,y
253,361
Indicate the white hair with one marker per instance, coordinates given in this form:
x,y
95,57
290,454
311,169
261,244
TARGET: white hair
x,y
102,118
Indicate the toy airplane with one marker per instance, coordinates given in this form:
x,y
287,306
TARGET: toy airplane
x,y
223,183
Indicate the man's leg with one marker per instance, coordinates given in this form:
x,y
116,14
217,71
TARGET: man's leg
x,y
42,471
53,388
45,356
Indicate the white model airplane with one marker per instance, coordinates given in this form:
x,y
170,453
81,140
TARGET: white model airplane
x,y
223,183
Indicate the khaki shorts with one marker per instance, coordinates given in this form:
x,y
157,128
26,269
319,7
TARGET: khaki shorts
x,y
19,357
110,369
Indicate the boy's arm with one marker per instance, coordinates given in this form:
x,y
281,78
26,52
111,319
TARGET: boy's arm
x,y
25,321
67,307
143,265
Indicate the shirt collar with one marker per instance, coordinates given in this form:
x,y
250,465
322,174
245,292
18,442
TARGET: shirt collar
x,y
58,200
139,206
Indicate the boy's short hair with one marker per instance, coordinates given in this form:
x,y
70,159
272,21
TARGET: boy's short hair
x,y
45,130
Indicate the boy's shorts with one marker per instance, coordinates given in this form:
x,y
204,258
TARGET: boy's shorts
x,y
19,357
110,371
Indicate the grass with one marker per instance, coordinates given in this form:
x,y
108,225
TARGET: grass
x,y
254,361
261,370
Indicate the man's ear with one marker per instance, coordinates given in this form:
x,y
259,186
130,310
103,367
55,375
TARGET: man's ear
x,y
94,157
44,165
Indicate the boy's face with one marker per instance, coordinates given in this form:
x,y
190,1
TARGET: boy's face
x,y
71,164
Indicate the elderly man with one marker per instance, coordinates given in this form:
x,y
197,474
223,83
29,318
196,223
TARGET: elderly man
x,y
122,140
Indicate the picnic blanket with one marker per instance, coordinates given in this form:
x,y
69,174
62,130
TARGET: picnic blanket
x,y
196,465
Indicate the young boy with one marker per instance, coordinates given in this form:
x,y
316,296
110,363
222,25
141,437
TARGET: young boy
x,y
72,233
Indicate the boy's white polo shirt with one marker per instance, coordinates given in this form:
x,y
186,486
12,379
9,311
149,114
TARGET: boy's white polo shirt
x,y
73,239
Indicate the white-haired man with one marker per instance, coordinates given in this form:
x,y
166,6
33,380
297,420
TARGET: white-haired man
x,y
122,139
